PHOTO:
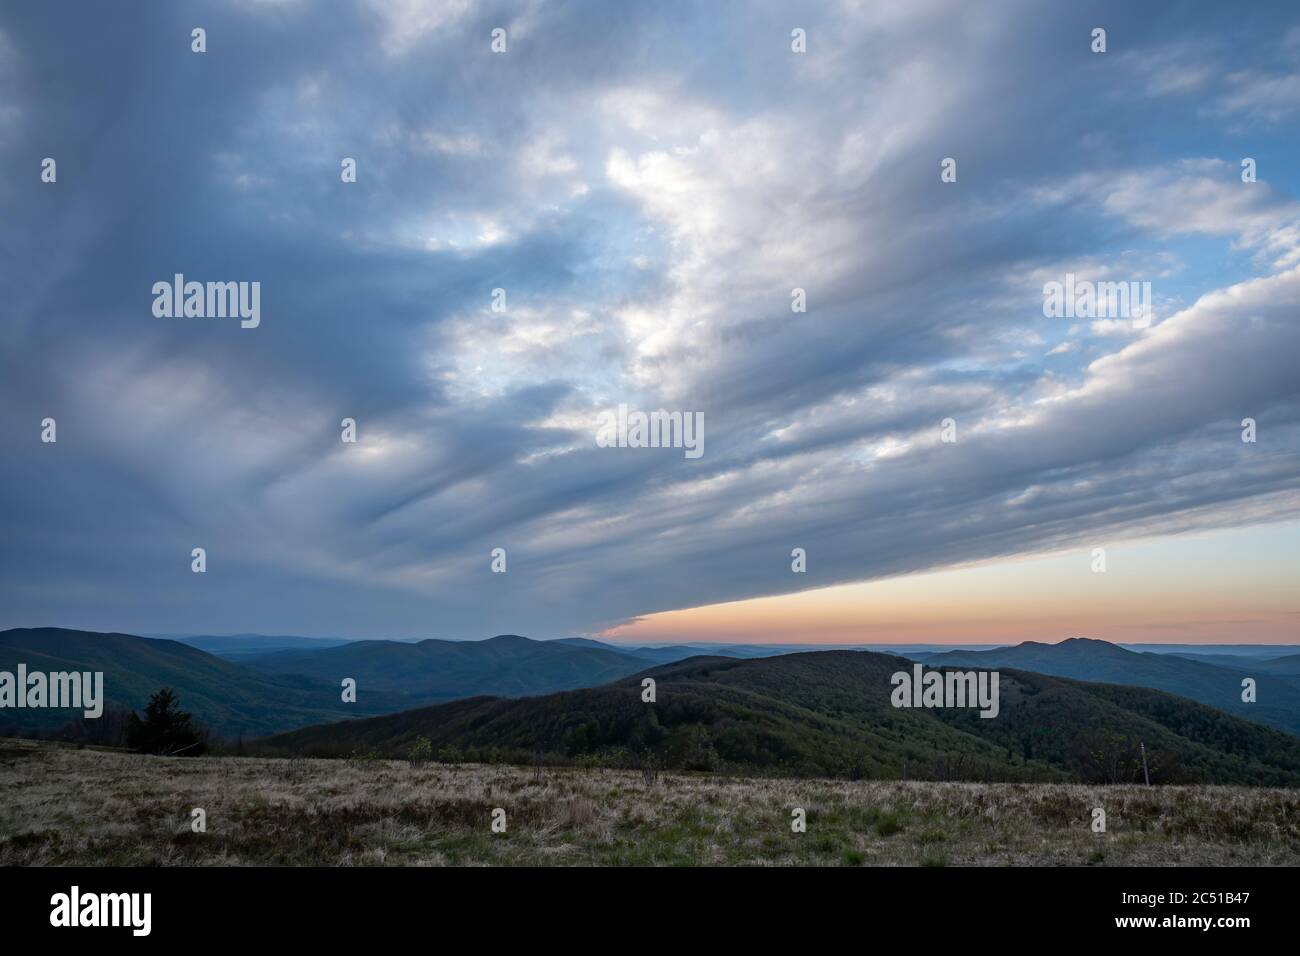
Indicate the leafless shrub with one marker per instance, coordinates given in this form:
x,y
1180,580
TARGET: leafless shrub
x,y
649,767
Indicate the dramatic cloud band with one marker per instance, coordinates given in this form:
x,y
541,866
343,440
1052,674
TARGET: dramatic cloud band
x,y
647,183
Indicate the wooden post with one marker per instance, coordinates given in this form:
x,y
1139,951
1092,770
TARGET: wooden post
x,y
1146,776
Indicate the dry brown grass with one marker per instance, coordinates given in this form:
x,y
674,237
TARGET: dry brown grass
x,y
66,806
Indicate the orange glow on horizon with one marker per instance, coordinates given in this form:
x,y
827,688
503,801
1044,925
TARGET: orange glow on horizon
x,y
1228,587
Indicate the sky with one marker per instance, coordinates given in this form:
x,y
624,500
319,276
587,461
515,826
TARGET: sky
x,y
647,183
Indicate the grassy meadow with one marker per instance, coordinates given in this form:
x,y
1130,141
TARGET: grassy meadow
x,y
62,805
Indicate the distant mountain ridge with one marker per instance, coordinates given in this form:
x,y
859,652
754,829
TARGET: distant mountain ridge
x,y
271,692
829,714
1277,703
266,693
1288,665
227,697
434,670
239,647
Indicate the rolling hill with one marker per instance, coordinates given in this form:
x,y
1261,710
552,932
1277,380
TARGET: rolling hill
x,y
829,714
1277,704
1288,664
227,697
273,691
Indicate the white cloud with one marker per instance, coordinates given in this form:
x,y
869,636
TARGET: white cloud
x,y
407,22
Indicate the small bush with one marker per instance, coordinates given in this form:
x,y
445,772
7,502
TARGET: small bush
x,y
421,751
888,824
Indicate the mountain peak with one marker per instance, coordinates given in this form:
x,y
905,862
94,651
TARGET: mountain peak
x,y
509,639
1088,643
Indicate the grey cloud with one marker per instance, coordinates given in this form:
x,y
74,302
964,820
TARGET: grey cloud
x,y
648,182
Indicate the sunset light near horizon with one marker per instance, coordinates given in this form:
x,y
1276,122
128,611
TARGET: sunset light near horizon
x,y
1227,587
